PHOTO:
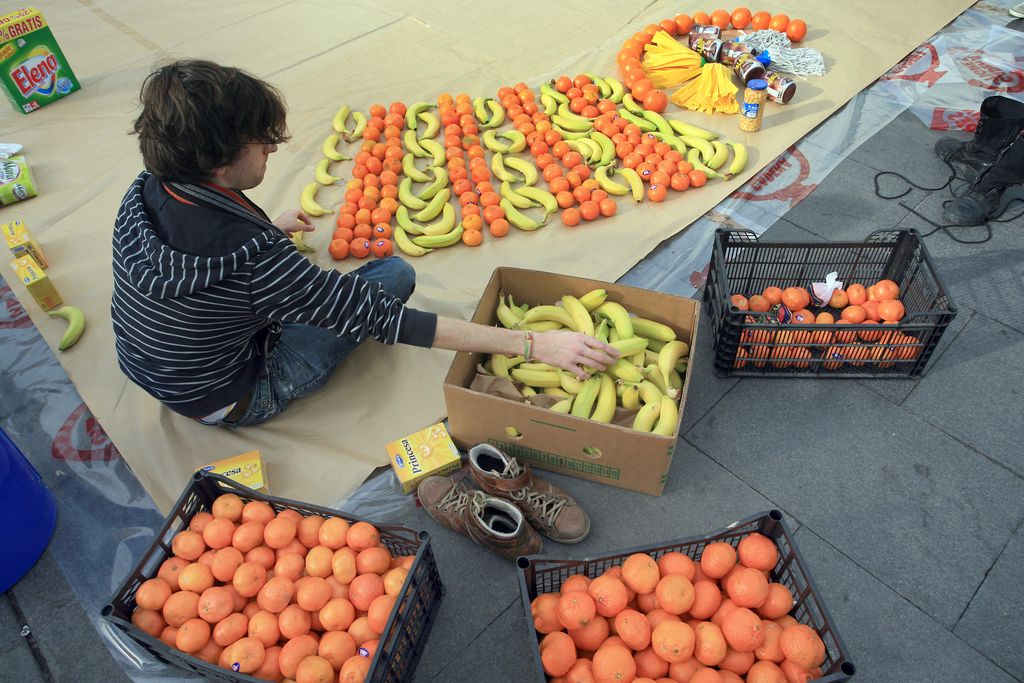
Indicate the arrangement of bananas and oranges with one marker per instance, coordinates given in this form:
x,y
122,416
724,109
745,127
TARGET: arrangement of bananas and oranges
x,y
646,381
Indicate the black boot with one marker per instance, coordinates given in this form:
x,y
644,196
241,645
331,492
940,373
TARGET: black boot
x,y
981,202
1002,120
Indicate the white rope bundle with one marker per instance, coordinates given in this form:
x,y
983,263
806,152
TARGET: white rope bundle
x,y
802,61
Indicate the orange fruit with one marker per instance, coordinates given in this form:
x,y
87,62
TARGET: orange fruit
x,y
382,247
740,18
853,314
777,602
364,589
576,582
736,662
152,594
701,18
355,669
673,641
757,551
294,622
779,23
545,617
575,609
798,674
247,654
188,545
294,651
740,302
796,30
215,604
758,304
609,593
192,636
890,311
640,572
856,294
717,559
180,607
590,637
379,612
557,653
871,310
765,672
338,249
773,295
803,646
613,663
706,599
839,299
674,594
747,587
796,298
709,644
720,18
742,628
634,629
684,24
769,648
676,563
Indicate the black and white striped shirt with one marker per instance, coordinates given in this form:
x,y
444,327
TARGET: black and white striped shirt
x,y
189,323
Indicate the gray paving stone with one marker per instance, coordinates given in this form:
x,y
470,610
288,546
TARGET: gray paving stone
x,y
992,621
876,481
786,231
973,391
705,387
889,639
15,653
503,653
61,626
905,146
844,207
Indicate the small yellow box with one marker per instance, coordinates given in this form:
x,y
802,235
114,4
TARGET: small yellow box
x,y
246,468
21,243
428,451
36,282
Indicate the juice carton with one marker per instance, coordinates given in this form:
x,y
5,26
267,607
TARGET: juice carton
x,y
21,242
246,468
36,282
428,451
33,69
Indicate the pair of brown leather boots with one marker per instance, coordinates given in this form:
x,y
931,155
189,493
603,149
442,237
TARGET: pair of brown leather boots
x,y
510,508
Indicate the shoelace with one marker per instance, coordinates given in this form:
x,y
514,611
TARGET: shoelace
x,y
547,505
457,497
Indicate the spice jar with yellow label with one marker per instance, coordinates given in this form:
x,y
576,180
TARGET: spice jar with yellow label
x,y
753,105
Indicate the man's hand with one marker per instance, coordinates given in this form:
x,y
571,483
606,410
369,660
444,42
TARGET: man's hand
x,y
293,220
572,350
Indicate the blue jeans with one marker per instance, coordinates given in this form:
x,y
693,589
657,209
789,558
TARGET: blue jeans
x,y
306,356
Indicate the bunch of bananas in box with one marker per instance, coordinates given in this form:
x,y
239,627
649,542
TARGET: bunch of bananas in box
x,y
647,377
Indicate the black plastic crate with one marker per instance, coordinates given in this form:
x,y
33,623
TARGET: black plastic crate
x,y
407,628
539,574
755,345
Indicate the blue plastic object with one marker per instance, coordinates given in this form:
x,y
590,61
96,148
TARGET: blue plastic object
x,y
28,514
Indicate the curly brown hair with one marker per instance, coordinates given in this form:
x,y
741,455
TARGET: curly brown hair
x,y
197,115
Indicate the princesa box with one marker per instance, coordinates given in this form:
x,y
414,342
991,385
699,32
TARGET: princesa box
x,y
603,452
245,468
36,282
21,242
417,456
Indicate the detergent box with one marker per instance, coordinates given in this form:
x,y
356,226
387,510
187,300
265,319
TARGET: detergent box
x,y
33,69
246,468
417,456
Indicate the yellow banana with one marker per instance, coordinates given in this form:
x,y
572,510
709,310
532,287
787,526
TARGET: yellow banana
x,y
655,344
668,417
627,347
443,226
434,206
410,170
636,183
323,176
630,398
307,200
549,104
693,156
632,106
626,371
75,328
435,149
436,241
490,140
601,83
542,326
579,313
587,148
643,327
645,419
554,313
406,245
571,125
549,90
670,355
556,391
607,184
659,122
499,170
519,219
593,298
584,401
602,332
649,392
534,365
618,316
536,378
637,120
739,158
565,132
330,148
720,155
526,168
571,383
707,150
412,113
298,238
440,183
517,139
672,141
684,128
653,375
562,406
497,116
480,110
541,196
413,145
506,315
357,130
570,115
618,89
502,364
604,410
340,120
526,391
406,222
406,197
433,125
517,200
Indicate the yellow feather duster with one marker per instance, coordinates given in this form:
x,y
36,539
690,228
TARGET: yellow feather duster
x,y
667,62
712,91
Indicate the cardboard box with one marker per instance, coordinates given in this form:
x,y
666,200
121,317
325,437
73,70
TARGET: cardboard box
x,y
36,282
417,456
21,242
245,468
605,453
33,69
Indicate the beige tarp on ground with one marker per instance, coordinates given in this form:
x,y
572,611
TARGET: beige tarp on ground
x,y
322,55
